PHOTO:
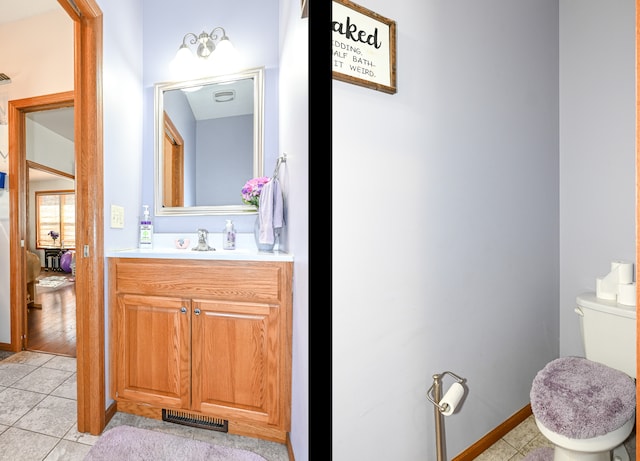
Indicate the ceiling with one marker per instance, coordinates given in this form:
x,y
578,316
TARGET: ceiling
x,y
234,98
59,121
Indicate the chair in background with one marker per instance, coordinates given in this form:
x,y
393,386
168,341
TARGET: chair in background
x,y
33,271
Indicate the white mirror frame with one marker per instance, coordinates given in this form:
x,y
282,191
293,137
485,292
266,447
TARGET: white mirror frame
x,y
258,143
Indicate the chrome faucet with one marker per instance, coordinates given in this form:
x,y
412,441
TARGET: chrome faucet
x,y
203,245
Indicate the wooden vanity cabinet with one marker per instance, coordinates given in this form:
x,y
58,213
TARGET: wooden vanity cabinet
x,y
209,337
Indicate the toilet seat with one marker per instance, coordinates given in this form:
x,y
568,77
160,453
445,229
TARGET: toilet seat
x,y
584,408
599,444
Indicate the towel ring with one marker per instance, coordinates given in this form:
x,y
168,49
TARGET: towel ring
x,y
282,159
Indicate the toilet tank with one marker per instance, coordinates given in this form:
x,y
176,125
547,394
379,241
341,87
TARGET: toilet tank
x,y
608,332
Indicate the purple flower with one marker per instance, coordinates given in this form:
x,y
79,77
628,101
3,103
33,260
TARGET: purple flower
x,y
252,189
54,235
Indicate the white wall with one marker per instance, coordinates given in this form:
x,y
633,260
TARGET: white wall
x,y
48,148
294,141
122,130
505,163
28,56
123,114
18,46
597,147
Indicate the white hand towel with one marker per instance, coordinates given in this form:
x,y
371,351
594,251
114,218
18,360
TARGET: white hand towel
x,y
270,211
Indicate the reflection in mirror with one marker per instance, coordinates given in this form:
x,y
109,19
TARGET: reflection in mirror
x,y
209,141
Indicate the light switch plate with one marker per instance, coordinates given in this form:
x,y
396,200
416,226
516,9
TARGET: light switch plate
x,y
117,217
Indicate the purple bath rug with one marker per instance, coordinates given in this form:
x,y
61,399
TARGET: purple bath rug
x,y
126,443
540,454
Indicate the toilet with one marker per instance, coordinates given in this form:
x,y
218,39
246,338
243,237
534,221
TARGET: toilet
x,y
586,406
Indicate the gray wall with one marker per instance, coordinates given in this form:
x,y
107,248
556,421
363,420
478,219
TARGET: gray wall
x,y
474,182
597,146
225,152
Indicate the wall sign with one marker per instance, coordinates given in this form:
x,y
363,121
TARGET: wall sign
x,y
364,47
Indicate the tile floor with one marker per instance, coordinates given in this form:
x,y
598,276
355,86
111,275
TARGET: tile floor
x,y
38,415
525,438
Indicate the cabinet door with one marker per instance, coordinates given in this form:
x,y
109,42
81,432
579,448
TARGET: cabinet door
x,y
153,348
235,361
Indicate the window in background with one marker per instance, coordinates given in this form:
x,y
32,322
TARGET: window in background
x,y
56,212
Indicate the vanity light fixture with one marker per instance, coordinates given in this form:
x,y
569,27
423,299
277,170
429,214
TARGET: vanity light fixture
x,y
206,44
214,54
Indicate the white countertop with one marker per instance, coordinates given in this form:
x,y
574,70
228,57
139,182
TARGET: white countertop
x,y
173,253
164,247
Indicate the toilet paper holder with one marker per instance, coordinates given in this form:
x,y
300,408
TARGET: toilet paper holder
x,y
441,408
436,389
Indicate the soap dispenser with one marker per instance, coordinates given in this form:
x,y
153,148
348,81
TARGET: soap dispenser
x,y
146,230
229,236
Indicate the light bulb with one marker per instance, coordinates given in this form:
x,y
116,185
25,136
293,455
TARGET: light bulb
x,y
225,55
225,48
182,64
183,55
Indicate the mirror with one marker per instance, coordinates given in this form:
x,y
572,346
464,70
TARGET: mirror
x,y
208,143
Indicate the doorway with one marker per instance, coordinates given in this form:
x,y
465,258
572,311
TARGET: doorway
x,y
90,321
51,310
50,227
21,127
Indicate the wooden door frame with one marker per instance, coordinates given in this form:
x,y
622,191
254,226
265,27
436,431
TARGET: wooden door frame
x,y
89,170
172,165
18,110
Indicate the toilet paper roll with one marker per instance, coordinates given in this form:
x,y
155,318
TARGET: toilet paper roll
x,y
627,294
623,270
609,283
605,290
451,399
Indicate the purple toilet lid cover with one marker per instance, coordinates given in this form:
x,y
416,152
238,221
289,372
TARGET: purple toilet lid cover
x,y
581,399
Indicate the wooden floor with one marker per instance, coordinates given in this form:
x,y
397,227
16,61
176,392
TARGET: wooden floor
x,y
52,327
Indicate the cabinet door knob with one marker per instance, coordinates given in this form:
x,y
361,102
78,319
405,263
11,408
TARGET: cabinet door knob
x,y
196,311
183,310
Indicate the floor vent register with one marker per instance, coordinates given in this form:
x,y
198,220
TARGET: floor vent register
x,y
188,419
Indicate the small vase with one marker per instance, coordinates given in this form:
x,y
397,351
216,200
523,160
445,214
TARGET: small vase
x,y
256,233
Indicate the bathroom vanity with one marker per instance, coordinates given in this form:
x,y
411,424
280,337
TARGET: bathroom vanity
x,y
206,337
